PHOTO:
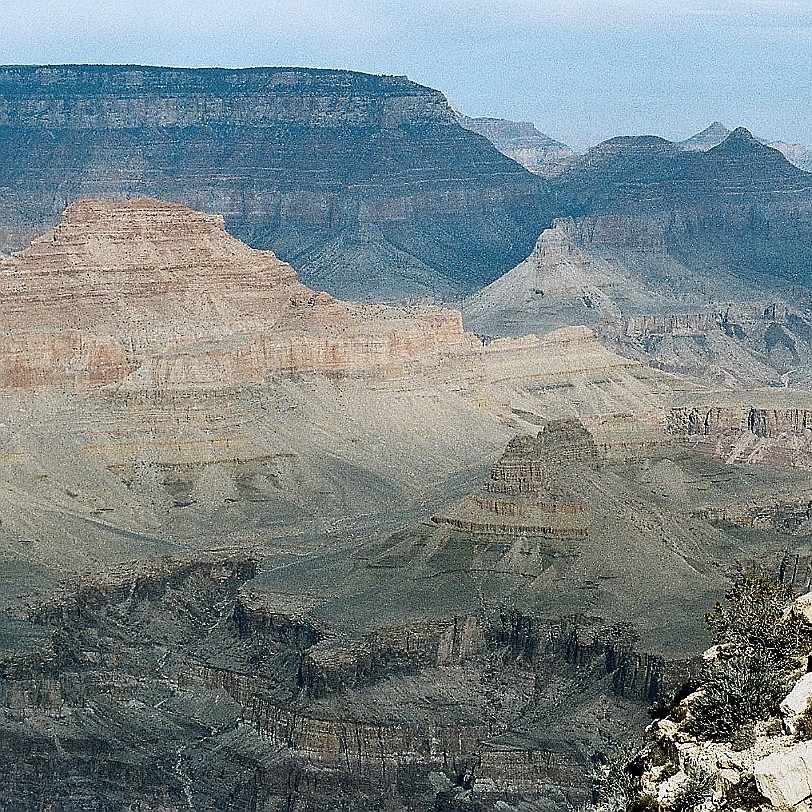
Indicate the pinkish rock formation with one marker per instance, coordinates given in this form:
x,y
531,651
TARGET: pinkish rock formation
x,y
162,295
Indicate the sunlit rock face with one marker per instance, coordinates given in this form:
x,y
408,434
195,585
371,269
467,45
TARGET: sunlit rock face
x,y
161,296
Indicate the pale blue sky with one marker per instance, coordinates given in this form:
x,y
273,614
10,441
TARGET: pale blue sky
x,y
582,70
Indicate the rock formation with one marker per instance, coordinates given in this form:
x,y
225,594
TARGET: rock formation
x,y
693,260
531,491
713,135
521,141
737,431
693,756
162,297
366,184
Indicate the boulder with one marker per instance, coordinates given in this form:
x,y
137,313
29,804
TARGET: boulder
x,y
797,702
785,777
803,606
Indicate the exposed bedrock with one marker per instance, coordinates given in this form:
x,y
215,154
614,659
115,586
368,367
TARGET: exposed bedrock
x,y
367,184
176,684
738,432
709,421
532,490
164,298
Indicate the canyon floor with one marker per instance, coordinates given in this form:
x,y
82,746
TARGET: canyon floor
x,y
265,549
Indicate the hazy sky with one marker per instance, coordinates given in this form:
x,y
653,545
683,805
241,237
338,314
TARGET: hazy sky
x,y
582,70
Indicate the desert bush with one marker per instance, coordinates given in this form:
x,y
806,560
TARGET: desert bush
x,y
615,782
679,713
762,638
738,692
754,617
774,726
744,738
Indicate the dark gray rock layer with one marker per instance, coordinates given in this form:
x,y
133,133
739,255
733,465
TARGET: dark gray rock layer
x,y
366,184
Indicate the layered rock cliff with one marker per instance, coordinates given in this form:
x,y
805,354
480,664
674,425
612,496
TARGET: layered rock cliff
x,y
696,261
521,141
162,297
736,431
366,184
533,489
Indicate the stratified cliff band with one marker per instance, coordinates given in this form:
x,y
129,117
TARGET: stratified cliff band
x,y
367,184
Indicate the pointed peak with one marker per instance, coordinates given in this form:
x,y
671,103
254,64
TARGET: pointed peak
x,y
740,140
707,139
743,134
717,129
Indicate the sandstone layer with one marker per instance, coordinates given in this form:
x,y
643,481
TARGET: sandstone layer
x,y
162,297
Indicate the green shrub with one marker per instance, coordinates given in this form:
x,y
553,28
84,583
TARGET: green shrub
x,y
738,692
697,787
668,771
678,713
754,617
615,783
762,638
774,726
744,738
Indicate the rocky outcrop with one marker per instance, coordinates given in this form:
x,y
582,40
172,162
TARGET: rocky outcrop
x,y
530,492
729,739
162,297
741,432
365,183
796,702
710,420
521,141
785,778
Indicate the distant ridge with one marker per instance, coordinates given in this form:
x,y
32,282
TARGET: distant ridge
x,y
366,184
716,133
697,260
521,141
709,137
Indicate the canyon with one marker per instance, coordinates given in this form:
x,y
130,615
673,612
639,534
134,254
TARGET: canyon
x,y
695,261
367,184
264,548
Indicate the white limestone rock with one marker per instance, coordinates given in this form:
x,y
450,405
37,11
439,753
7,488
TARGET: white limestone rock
x,y
785,777
797,702
803,606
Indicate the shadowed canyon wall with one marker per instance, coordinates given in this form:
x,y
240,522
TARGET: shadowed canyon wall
x,y
366,184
